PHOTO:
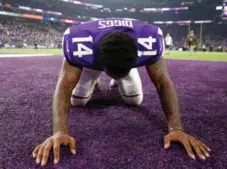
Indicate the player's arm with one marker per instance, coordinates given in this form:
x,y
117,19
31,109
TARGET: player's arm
x,y
159,75
196,42
68,78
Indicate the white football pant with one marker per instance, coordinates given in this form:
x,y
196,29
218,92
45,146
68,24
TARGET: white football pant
x,y
130,87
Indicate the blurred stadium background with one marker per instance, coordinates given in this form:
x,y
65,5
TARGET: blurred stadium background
x,y
110,135
24,23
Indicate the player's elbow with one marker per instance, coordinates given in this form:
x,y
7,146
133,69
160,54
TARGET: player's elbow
x,y
164,82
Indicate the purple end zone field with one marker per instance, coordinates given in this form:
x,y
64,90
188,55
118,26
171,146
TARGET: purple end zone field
x,y
111,135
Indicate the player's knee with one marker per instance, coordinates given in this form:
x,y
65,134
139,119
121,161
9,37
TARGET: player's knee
x,y
133,100
79,101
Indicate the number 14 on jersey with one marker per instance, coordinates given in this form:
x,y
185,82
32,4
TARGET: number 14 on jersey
x,y
83,50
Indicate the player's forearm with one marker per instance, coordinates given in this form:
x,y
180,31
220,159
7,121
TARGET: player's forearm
x,y
68,78
170,104
60,109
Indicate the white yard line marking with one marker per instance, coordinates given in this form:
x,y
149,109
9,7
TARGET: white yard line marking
x,y
23,55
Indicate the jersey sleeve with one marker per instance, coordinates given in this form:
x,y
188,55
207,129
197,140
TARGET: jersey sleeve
x,y
77,48
160,44
151,48
66,49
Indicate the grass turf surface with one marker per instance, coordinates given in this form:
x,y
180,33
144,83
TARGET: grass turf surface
x,y
109,134
205,56
32,51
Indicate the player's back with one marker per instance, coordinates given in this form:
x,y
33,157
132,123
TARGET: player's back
x,y
81,42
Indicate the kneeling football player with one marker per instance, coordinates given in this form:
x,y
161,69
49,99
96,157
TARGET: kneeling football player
x,y
117,47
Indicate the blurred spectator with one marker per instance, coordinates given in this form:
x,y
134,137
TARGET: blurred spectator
x,y
214,35
24,32
20,32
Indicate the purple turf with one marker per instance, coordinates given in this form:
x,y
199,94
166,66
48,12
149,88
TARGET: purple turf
x,y
111,135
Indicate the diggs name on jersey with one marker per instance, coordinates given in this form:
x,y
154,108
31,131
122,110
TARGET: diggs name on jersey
x,y
115,23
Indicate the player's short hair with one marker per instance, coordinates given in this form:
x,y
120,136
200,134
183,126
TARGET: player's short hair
x,y
118,53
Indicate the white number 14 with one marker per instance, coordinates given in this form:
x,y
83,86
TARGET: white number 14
x,y
148,44
83,50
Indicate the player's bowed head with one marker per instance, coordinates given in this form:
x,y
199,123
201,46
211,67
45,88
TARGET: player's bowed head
x,y
118,54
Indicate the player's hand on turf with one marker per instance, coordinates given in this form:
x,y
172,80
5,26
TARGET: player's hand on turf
x,y
42,151
189,143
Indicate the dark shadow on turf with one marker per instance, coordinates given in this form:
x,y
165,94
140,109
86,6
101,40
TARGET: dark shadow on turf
x,y
101,104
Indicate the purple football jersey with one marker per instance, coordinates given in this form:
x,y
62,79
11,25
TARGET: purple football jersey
x,y
81,42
